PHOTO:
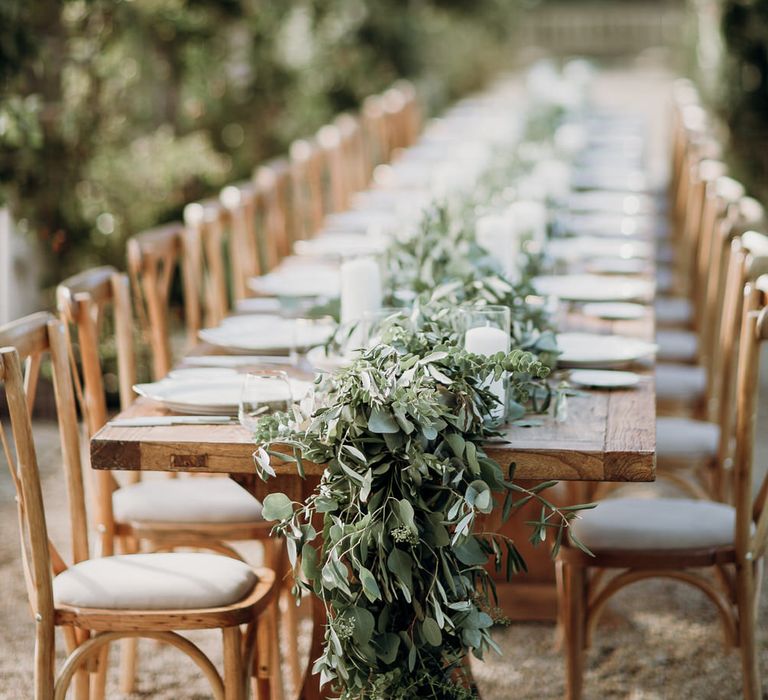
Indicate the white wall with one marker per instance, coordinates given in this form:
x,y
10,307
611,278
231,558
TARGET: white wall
x,y
19,272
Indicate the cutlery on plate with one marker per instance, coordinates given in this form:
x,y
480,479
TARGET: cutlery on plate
x,y
156,421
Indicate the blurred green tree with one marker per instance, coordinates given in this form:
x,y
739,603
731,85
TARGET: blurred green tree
x,y
115,113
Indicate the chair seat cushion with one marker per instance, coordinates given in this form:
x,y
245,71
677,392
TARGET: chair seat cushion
x,y
176,580
655,524
685,383
677,345
185,500
665,279
673,311
685,438
665,253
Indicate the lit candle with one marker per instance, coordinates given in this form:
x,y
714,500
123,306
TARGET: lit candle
x,y
487,340
530,220
498,236
360,288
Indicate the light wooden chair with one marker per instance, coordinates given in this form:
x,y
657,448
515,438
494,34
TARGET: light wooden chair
x,y
686,388
164,513
277,174
155,257
691,452
99,601
680,539
353,148
375,133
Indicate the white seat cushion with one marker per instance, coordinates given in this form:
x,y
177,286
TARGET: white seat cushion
x,y
680,382
190,500
665,253
673,311
677,346
665,279
656,524
175,581
685,438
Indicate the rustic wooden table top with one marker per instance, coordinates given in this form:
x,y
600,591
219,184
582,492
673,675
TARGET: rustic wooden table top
x,y
605,436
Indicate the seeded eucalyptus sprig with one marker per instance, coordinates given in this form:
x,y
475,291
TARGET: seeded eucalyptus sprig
x,y
399,564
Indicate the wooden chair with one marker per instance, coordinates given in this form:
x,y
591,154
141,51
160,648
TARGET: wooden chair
x,y
333,177
154,258
375,134
239,203
165,513
693,453
353,147
680,539
99,601
277,174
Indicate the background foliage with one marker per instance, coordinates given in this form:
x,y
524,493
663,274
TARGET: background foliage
x,y
115,113
743,85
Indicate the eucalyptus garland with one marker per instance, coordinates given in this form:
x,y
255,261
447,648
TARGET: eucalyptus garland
x,y
399,562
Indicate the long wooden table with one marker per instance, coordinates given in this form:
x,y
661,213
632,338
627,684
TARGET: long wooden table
x,y
606,436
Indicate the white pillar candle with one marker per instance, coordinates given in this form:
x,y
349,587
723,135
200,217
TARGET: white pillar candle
x,y
487,340
529,218
499,237
360,288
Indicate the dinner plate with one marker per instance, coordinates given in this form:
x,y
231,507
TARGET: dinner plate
x,y
616,266
590,350
603,378
266,334
215,397
615,310
299,281
626,203
204,373
608,225
593,287
337,245
585,247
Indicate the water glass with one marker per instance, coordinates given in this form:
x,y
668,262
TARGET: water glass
x,y
264,392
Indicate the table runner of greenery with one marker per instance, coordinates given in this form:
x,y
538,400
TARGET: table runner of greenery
x,y
400,560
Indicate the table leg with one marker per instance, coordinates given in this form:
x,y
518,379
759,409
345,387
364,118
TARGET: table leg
x,y
310,689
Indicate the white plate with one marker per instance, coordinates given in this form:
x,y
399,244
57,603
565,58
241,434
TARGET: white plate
x,y
215,397
584,247
603,379
204,373
266,334
590,350
322,362
616,266
627,203
301,281
593,288
615,310
336,245
608,225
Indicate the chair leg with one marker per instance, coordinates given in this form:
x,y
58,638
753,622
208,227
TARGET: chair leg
x,y
745,600
269,640
290,632
233,664
99,676
574,624
129,648
81,682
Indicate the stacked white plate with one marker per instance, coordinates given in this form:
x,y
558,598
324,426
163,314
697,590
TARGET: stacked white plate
x,y
298,281
264,333
594,288
338,245
220,396
593,351
586,247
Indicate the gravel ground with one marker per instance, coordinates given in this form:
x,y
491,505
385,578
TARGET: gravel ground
x,y
658,640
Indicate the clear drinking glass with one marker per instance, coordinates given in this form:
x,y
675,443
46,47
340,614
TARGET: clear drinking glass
x,y
485,331
264,392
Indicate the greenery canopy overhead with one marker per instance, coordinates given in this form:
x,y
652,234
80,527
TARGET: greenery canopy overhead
x,y
114,114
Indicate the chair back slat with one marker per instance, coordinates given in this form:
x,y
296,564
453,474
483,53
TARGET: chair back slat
x,y
244,259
